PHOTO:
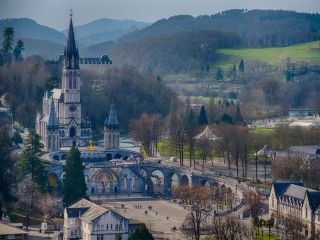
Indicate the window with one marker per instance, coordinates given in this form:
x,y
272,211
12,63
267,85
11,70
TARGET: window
x,y
99,237
71,232
74,78
116,226
107,226
101,227
98,227
75,232
306,212
111,226
272,201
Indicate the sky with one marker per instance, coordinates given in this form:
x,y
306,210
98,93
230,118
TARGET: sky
x,y
55,13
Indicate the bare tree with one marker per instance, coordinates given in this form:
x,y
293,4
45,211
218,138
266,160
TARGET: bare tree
x,y
254,202
199,199
226,228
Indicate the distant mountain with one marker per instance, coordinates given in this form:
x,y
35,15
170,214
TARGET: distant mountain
x,y
103,30
257,28
30,29
44,48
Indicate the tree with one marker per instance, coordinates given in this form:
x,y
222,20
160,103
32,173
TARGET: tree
x,y
74,185
141,232
238,117
254,202
28,195
226,118
229,228
7,44
190,130
30,159
234,72
241,66
16,138
203,120
199,198
219,74
5,167
17,51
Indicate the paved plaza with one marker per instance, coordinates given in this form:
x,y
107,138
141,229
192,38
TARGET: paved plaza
x,y
161,215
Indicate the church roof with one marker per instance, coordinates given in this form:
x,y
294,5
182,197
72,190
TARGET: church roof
x,y
71,54
112,121
52,119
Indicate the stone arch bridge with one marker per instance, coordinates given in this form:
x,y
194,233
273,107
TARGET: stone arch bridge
x,y
107,178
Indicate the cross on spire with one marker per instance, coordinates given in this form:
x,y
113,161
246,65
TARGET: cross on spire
x,y
71,14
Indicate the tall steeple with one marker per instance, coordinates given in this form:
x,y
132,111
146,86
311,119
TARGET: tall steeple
x,y
71,54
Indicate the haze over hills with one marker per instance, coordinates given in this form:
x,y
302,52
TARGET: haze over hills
x,y
105,29
153,47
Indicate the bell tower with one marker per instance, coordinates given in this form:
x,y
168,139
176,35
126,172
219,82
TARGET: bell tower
x,y
71,112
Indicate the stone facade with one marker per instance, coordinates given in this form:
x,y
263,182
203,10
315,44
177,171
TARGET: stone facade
x,y
289,200
60,123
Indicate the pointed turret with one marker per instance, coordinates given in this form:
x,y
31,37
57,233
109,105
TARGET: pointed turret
x,y
52,120
71,54
111,129
112,121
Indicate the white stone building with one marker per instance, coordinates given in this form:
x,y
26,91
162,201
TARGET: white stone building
x,y
89,221
292,200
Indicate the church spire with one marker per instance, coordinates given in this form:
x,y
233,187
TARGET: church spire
x,y
71,54
52,120
112,121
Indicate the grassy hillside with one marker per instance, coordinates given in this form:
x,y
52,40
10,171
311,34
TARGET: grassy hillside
x,y
306,52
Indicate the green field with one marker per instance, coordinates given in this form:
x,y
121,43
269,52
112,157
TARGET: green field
x,y
306,52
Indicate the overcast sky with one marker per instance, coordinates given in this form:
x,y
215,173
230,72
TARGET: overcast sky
x,y
54,13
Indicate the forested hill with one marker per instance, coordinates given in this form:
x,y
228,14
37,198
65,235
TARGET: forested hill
x,y
177,52
30,29
257,28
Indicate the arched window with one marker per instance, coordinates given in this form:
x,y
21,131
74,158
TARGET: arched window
x,y
98,227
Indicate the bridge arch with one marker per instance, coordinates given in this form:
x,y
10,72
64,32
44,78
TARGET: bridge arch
x,y
52,179
157,180
184,180
105,181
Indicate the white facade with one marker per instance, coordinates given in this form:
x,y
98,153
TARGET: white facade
x,y
289,200
89,221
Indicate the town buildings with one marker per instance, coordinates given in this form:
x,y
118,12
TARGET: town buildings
x,y
293,200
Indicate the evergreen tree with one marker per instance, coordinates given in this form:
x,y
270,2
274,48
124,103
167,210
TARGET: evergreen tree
x,y
140,233
5,167
238,117
7,44
219,74
74,185
16,138
203,120
241,66
30,159
227,119
234,72
17,52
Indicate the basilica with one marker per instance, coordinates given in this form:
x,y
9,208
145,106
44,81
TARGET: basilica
x,y
60,123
